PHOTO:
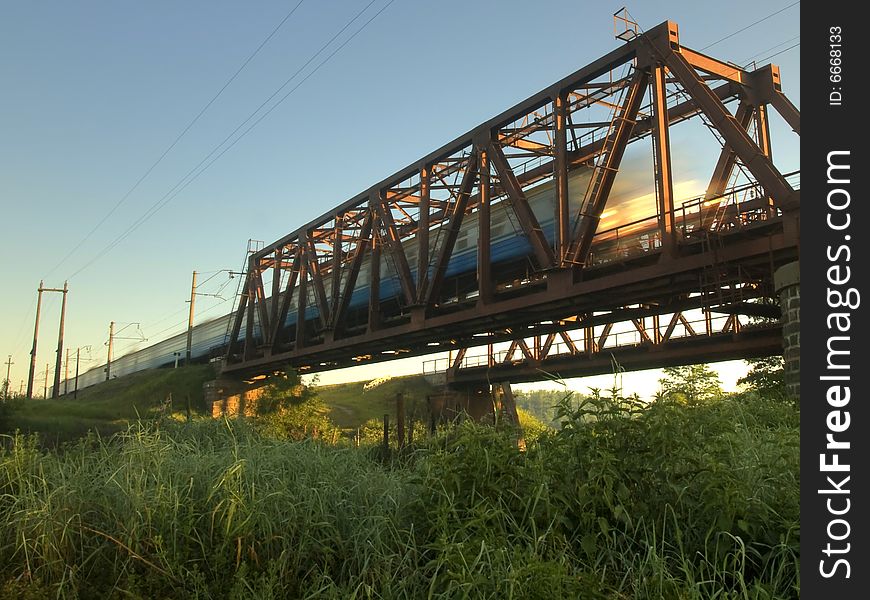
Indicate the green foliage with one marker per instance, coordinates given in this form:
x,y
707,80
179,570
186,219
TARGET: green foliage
x,y
110,406
626,500
291,410
690,385
351,404
766,376
282,392
531,427
542,404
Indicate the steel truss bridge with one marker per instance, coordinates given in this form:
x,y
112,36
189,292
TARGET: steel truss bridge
x,y
495,238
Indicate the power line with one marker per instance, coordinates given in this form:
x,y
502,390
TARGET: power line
x,y
778,53
753,24
194,173
746,61
177,139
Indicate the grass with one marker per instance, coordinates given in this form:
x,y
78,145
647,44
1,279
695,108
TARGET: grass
x,y
351,406
664,501
110,406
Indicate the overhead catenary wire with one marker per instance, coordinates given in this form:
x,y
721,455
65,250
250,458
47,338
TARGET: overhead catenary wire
x,y
177,139
753,24
196,171
792,47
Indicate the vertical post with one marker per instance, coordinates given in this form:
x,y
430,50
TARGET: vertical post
x,y
248,351
9,364
66,374
400,419
190,321
301,305
423,236
33,349
109,354
375,281
55,390
762,130
662,148
560,164
484,223
45,382
76,388
386,434
335,291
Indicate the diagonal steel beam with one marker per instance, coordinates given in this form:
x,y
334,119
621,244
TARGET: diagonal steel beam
x,y
602,181
548,343
744,146
394,247
520,205
728,158
767,89
317,281
274,299
452,228
262,309
572,347
233,342
602,339
281,315
340,308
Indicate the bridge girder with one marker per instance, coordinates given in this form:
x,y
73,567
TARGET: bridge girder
x,y
404,234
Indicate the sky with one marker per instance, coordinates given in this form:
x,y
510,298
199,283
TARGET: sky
x,y
107,108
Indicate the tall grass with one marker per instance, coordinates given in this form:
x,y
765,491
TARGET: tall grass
x,y
658,502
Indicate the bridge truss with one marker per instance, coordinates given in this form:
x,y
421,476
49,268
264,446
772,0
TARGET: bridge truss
x,y
400,243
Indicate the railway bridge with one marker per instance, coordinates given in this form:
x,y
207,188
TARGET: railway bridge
x,y
529,240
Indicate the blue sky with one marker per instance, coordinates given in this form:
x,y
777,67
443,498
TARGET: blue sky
x,y
94,92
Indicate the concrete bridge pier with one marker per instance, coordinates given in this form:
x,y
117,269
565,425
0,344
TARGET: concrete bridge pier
x,y
480,402
787,282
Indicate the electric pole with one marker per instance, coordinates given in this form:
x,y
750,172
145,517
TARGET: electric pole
x,y
45,385
33,349
76,390
190,321
9,364
109,356
55,391
66,374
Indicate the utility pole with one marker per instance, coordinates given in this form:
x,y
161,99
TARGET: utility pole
x,y
36,336
66,374
190,321
9,364
45,385
76,390
55,391
33,349
109,356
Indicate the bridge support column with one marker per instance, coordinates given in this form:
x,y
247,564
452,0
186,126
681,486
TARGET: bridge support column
x,y
787,280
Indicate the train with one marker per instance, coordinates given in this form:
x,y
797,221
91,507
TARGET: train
x,y
508,246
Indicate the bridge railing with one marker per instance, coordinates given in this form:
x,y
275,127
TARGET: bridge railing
x,y
737,208
692,324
